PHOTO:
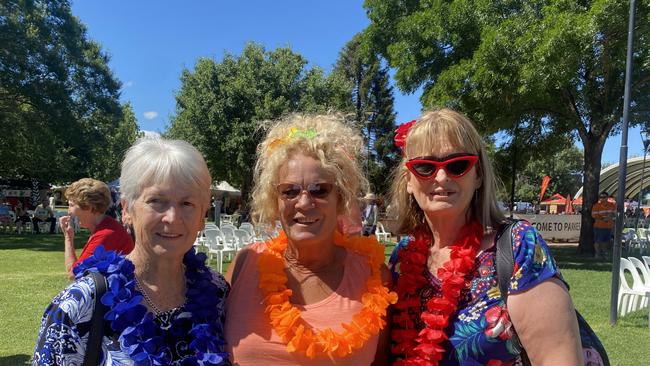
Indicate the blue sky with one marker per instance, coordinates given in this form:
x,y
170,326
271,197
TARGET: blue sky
x,y
151,42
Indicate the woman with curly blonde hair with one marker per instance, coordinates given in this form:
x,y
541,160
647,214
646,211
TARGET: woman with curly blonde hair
x,y
312,295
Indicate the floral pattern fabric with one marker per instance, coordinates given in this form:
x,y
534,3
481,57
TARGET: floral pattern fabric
x,y
65,326
480,333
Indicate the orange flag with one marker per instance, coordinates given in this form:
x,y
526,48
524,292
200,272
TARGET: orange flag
x,y
545,182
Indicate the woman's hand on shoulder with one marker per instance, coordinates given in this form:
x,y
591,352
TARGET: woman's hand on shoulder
x,y
545,321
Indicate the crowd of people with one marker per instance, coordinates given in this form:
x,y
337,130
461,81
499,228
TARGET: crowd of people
x,y
320,292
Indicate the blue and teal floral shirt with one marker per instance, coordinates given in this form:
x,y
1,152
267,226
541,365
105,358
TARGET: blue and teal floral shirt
x,y
65,326
480,332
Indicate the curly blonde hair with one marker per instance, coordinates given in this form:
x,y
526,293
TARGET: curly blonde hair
x,y
326,138
445,127
90,194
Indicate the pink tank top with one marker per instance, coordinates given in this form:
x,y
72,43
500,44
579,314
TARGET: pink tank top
x,y
252,341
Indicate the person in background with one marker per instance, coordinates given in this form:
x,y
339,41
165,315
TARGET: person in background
x,y
88,199
604,214
44,213
5,217
369,219
22,217
217,211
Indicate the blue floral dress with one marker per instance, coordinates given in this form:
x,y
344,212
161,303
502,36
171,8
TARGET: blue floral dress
x,y
63,333
480,332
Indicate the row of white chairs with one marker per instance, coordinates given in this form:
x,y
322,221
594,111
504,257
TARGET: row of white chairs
x,y
637,295
228,239
43,226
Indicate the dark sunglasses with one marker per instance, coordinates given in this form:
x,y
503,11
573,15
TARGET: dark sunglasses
x,y
456,165
290,191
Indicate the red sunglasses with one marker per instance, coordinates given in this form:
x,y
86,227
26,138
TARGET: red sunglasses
x,y
456,165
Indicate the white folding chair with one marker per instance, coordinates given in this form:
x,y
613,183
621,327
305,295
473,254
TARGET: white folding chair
x,y
228,236
630,298
243,238
381,233
250,229
217,246
227,225
646,261
645,274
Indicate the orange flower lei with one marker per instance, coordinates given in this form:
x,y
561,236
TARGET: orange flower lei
x,y
285,318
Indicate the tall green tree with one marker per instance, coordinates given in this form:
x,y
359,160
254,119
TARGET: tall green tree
x,y
56,92
505,62
116,139
563,165
221,106
370,99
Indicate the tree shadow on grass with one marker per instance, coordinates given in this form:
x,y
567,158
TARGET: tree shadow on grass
x,y
14,360
41,242
568,258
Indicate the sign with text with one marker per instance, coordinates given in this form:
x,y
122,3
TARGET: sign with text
x,y
552,227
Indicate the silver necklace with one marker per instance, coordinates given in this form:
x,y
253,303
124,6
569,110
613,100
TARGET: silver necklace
x,y
147,299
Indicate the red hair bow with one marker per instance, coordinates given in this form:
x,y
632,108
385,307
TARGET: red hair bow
x,y
401,132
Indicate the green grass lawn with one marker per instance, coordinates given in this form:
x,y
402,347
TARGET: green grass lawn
x,y
32,272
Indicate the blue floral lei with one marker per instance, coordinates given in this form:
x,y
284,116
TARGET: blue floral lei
x,y
140,337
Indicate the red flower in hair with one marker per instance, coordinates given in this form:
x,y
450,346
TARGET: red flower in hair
x,y
401,132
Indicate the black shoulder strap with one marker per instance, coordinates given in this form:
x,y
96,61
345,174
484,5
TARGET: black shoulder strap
x,y
505,265
93,347
505,259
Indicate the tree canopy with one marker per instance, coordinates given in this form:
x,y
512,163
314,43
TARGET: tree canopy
x,y
59,101
221,106
557,63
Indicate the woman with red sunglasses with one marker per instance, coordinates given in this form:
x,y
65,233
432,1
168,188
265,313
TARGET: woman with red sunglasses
x,y
313,295
450,311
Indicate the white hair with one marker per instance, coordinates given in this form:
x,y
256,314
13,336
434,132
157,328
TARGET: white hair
x,y
155,161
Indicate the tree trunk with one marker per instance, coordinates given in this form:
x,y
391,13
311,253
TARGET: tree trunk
x,y
593,152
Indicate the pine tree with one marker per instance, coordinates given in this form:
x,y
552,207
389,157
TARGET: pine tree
x,y
371,103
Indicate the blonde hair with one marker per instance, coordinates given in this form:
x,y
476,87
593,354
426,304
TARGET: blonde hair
x,y
90,194
435,129
326,138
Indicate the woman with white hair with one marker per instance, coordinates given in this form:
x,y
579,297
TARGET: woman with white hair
x,y
164,306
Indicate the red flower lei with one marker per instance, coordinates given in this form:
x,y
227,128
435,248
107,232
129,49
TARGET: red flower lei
x,y
424,347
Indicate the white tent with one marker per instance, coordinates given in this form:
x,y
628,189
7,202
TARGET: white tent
x,y
225,187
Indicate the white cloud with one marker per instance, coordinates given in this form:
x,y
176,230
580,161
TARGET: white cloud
x,y
150,114
129,84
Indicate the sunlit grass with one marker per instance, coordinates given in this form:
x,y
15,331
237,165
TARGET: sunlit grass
x,y
32,272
